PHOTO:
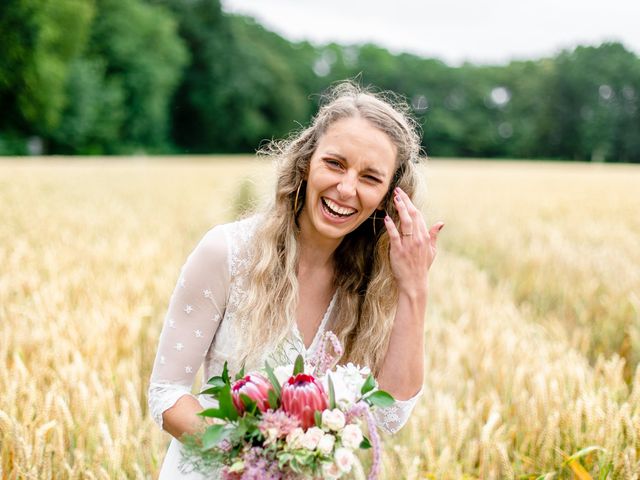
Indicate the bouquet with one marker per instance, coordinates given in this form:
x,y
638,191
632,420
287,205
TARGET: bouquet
x,y
289,422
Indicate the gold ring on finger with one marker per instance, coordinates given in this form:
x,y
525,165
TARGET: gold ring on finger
x,y
406,234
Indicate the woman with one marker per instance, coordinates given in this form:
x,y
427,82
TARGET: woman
x,y
341,248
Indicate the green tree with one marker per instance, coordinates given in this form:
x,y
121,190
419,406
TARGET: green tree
x,y
591,108
94,117
39,38
242,85
138,47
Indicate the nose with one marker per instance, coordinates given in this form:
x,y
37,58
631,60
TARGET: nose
x,y
347,186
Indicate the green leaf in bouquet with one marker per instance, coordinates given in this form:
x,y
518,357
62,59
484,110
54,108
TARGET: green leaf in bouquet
x,y
250,405
317,416
365,443
302,458
213,435
283,459
211,391
368,385
225,374
273,400
332,393
250,427
225,403
240,374
216,381
298,366
272,378
380,399
216,384
212,413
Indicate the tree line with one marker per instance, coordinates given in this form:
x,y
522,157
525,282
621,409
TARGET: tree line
x,y
175,76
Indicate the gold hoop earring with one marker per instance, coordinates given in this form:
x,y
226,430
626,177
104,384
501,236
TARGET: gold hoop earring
x,y
295,203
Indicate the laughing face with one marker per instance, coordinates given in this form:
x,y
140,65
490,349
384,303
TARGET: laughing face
x,y
349,176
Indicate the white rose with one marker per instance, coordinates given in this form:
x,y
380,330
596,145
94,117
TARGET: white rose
x,y
331,471
344,459
347,383
333,419
351,436
354,376
294,438
345,396
283,372
326,443
311,438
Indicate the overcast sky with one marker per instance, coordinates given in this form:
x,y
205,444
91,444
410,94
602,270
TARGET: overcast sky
x,y
491,31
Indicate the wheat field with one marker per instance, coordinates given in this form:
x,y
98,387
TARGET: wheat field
x,y
533,325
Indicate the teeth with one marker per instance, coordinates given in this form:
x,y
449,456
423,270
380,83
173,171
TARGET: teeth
x,y
338,209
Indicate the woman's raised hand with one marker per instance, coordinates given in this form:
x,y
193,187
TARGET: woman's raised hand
x,y
413,246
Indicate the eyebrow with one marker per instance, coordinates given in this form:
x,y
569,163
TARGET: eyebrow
x,y
373,170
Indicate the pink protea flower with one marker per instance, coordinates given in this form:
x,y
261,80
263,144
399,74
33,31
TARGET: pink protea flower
x,y
302,395
254,386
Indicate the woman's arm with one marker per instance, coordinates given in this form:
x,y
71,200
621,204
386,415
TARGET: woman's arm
x,y
412,251
402,372
195,311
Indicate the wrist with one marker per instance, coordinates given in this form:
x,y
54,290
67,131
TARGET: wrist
x,y
413,294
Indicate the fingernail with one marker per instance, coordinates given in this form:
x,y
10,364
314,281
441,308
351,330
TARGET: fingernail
x,y
397,198
440,227
387,218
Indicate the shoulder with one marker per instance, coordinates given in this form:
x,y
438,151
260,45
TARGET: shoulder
x,y
223,240
240,232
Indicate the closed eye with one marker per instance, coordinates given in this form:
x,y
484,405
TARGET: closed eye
x,y
373,179
333,163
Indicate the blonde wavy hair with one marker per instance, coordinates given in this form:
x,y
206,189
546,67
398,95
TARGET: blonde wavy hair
x,y
367,296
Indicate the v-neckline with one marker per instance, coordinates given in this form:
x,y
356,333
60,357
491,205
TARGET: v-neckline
x,y
319,331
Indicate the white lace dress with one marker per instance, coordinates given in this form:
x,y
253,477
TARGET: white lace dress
x,y
200,328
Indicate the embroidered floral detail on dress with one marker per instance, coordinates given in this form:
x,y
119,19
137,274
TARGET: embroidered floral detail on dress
x,y
163,361
179,346
188,369
207,293
172,323
188,309
198,333
182,282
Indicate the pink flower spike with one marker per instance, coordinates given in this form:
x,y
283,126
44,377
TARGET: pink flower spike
x,y
361,409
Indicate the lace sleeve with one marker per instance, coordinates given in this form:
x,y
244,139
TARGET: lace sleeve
x,y
195,309
393,418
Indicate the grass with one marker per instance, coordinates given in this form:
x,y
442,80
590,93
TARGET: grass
x,y
532,330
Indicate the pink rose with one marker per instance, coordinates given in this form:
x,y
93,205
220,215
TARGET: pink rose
x,y
311,438
344,459
333,419
351,436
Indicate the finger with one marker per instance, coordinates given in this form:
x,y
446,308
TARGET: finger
x,y
411,208
434,231
394,235
406,222
419,225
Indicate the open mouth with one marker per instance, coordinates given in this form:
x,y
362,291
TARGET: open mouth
x,y
336,210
